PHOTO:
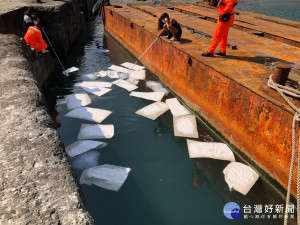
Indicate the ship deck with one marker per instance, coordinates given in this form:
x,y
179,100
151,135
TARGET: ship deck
x,y
230,93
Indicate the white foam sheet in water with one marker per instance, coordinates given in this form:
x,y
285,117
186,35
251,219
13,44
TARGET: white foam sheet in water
x,y
123,76
86,160
101,73
91,114
137,75
77,100
97,91
153,110
133,81
126,85
176,108
154,96
185,126
118,69
96,131
82,146
132,66
156,86
94,84
106,176
113,74
70,70
88,77
212,150
240,177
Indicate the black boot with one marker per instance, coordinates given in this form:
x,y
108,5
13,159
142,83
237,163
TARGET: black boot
x,y
220,53
207,54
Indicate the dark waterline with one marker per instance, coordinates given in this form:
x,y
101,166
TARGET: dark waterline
x,y
165,186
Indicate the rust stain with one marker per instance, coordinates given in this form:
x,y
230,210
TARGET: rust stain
x,y
231,93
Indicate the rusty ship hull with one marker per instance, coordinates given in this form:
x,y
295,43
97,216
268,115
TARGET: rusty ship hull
x,y
231,93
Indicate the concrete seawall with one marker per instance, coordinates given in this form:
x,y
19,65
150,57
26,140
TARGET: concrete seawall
x,y
38,185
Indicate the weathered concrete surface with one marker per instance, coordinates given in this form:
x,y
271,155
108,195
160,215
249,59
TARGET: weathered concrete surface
x,y
37,183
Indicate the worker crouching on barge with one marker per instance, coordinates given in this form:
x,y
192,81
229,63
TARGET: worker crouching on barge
x,y
171,26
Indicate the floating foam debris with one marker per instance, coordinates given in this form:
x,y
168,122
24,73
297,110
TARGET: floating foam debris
x,y
98,50
79,147
118,69
70,70
153,110
77,100
240,177
156,86
212,150
123,76
101,73
126,85
88,77
113,74
176,108
137,75
132,66
154,96
133,81
96,131
94,84
86,160
106,176
87,113
97,91
185,126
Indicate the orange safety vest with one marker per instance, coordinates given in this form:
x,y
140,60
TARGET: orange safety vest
x,y
33,37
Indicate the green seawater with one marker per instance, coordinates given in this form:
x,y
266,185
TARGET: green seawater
x,y
283,9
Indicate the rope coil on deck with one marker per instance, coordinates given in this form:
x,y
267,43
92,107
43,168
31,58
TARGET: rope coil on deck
x,y
282,90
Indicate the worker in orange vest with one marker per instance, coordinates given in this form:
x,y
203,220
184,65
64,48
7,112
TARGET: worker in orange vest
x,y
224,22
33,37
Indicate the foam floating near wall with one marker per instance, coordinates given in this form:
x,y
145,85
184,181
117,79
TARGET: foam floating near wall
x,y
94,84
106,176
212,150
126,85
91,114
118,69
153,96
82,146
96,131
185,126
156,86
77,100
176,108
132,66
240,177
88,77
97,91
153,110
137,75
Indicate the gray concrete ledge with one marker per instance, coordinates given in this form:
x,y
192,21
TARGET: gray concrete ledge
x,y
37,182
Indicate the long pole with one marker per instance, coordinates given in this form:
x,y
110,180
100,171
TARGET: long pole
x,y
144,53
53,49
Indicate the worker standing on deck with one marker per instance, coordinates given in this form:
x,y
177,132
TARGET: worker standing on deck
x,y
224,22
171,26
33,37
